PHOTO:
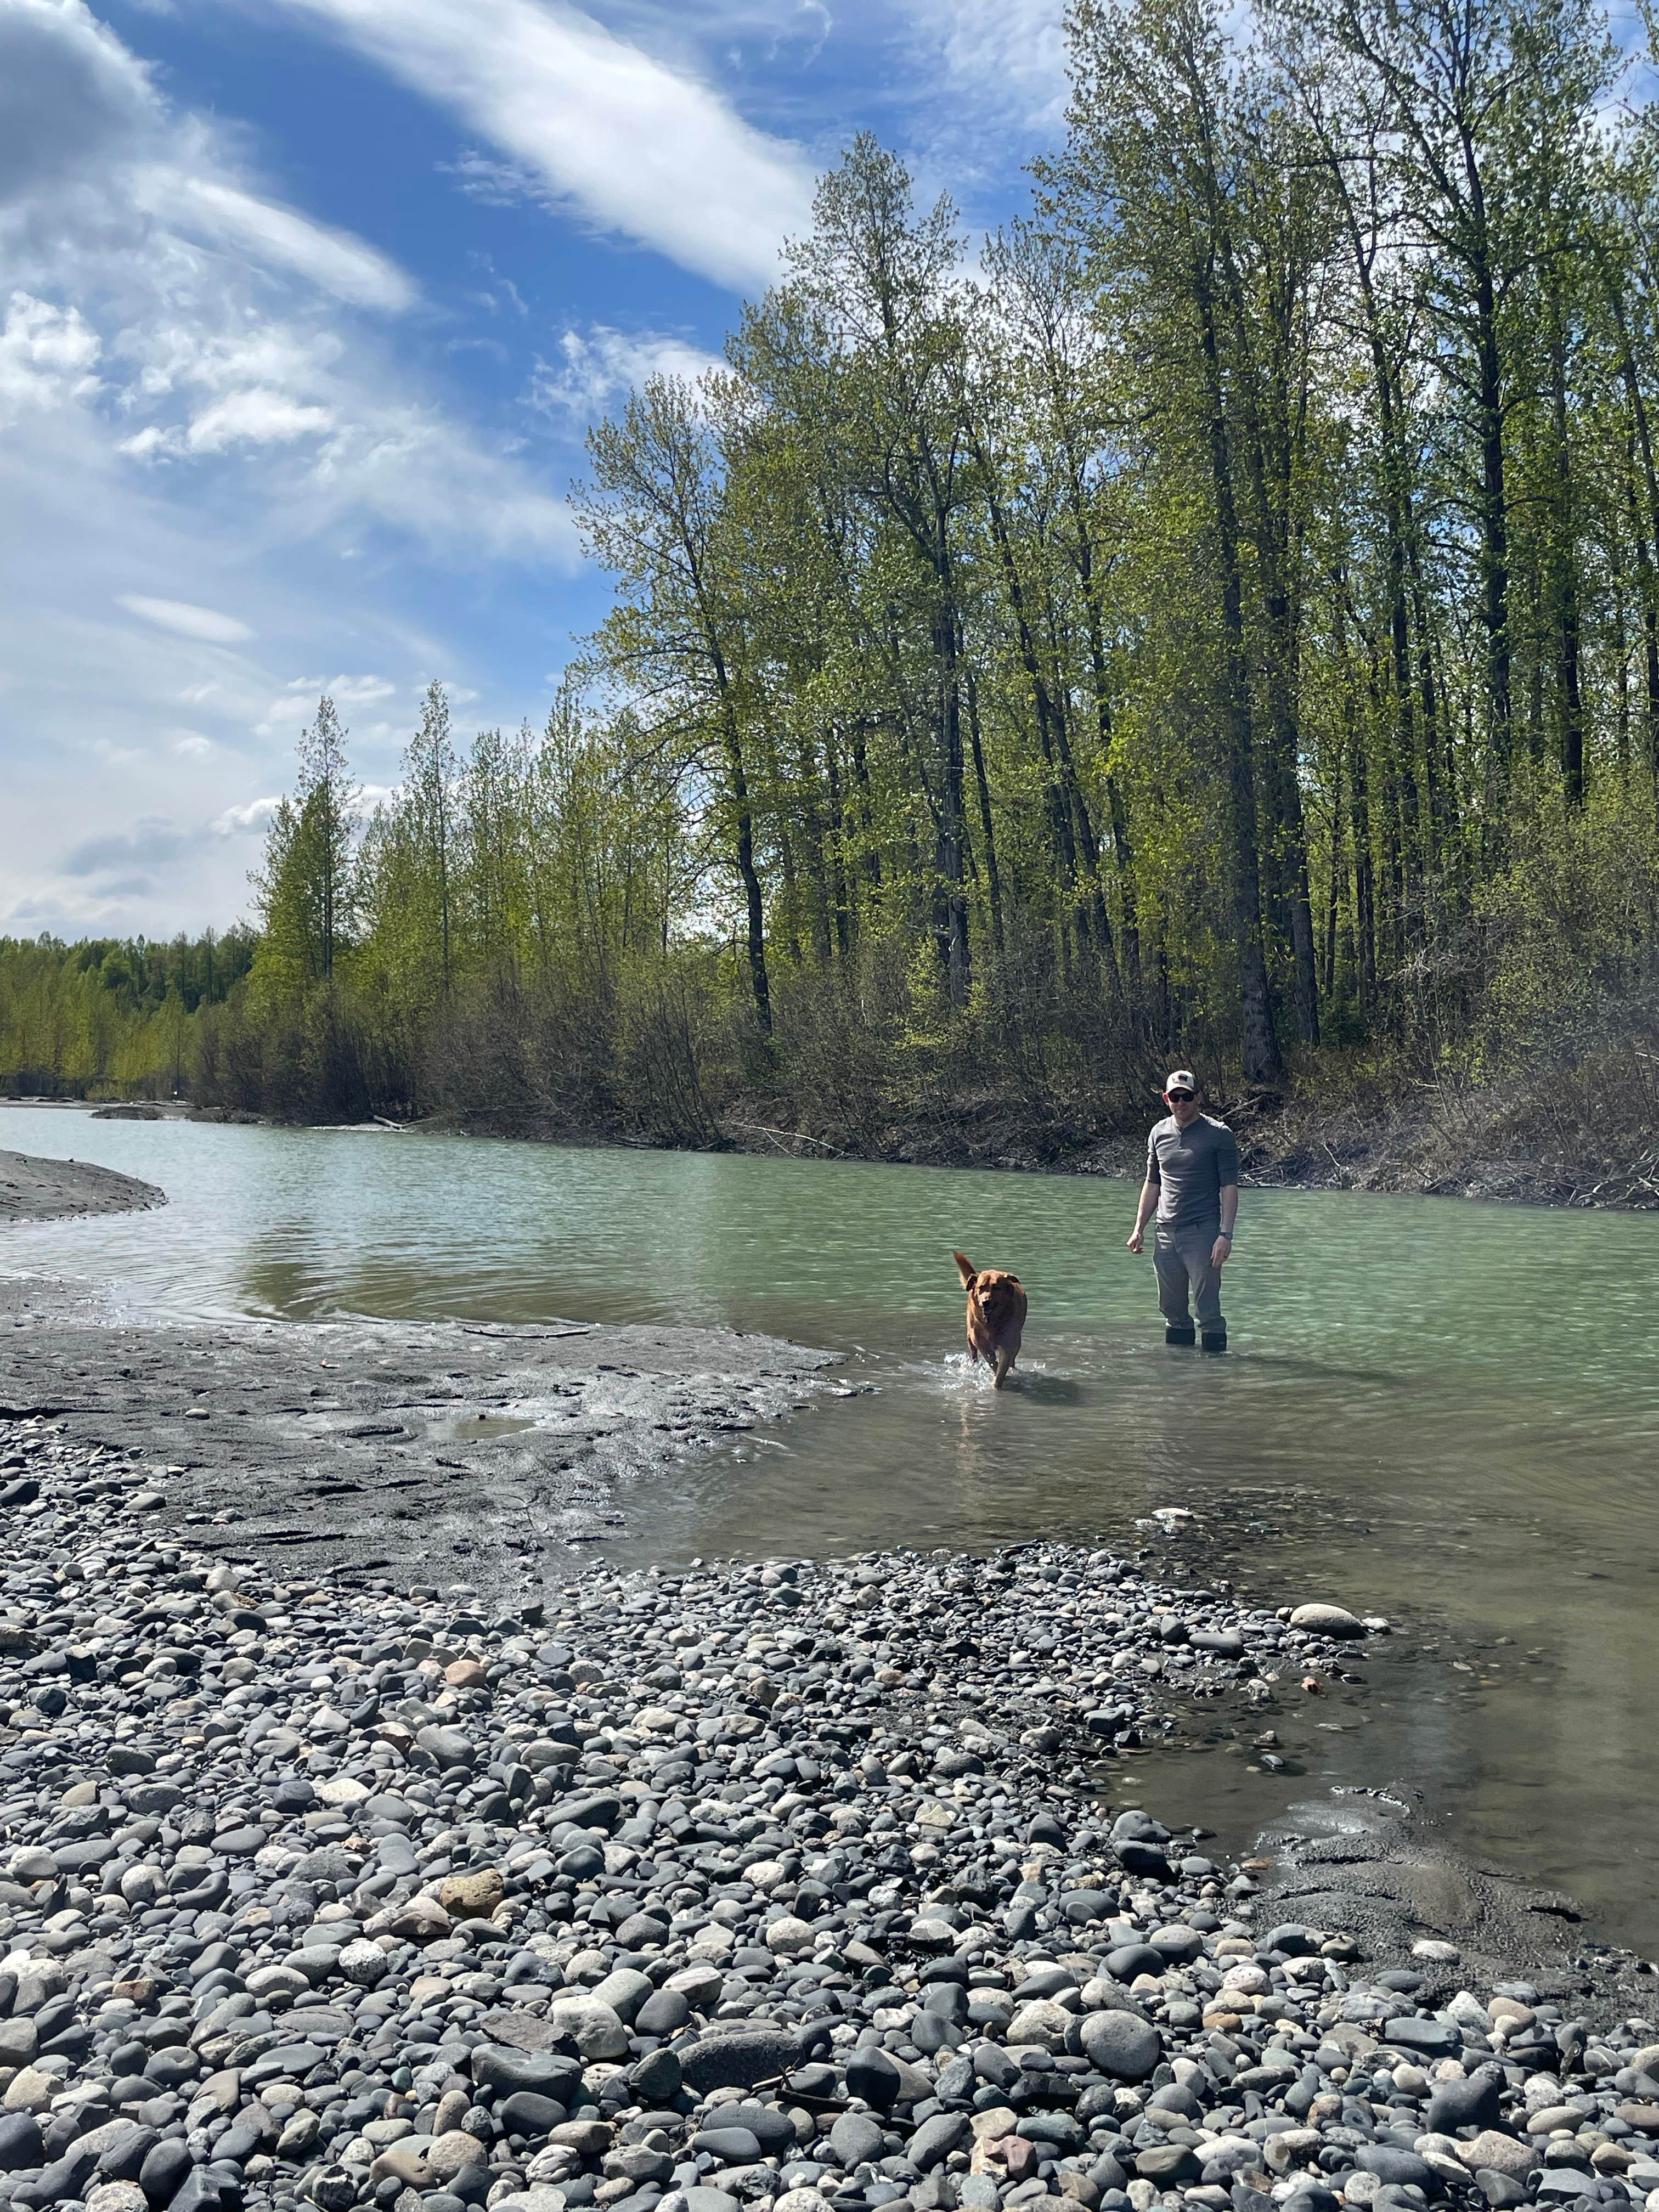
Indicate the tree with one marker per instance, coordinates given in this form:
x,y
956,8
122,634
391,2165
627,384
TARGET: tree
x,y
306,893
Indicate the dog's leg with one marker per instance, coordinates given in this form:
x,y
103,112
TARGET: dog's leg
x,y
1004,1366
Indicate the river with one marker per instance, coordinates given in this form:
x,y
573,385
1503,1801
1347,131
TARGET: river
x,y
1441,1412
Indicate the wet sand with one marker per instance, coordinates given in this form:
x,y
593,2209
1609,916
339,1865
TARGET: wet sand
x,y
55,1190
438,1453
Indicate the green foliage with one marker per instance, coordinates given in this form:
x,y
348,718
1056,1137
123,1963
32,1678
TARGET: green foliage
x,y
1223,625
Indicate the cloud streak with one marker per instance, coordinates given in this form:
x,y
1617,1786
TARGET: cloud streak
x,y
332,260
596,124
183,620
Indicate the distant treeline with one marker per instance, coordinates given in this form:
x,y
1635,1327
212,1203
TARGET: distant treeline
x,y
1221,623
111,1017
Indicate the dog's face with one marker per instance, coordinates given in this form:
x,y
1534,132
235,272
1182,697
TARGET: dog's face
x,y
997,1297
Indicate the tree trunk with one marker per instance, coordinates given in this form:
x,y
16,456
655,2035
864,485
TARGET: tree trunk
x,y
1262,1062
988,829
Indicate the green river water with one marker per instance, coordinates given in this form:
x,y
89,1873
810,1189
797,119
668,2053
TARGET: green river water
x,y
1445,1413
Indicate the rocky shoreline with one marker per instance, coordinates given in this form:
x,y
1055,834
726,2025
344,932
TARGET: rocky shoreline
x,y
788,1886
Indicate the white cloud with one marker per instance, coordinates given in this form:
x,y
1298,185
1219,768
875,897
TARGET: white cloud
x,y
214,414
46,355
201,321
238,821
598,366
601,126
1009,54
332,260
186,621
257,416
78,111
287,714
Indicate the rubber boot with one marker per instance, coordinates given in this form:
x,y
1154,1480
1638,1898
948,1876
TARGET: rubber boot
x,y
1214,1340
1173,1334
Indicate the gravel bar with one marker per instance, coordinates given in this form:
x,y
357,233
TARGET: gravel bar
x,y
784,1887
445,1451
33,1189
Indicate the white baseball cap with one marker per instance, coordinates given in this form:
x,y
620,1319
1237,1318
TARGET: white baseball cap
x,y
1181,1079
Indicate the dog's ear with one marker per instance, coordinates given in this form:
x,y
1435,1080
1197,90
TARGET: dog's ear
x,y
965,1269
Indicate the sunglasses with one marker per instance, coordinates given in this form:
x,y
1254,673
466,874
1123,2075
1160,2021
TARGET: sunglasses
x,y
1178,1098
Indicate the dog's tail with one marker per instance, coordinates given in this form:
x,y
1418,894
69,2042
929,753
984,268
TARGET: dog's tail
x,y
965,1268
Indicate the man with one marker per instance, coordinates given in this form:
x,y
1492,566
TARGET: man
x,y
1191,1178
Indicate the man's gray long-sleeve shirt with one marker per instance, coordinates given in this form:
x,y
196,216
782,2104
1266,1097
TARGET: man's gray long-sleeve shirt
x,y
1190,1166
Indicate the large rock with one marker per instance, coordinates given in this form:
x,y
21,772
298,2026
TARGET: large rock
x,y
1169,2165
445,1746
473,1895
773,2130
740,2061
732,2146
417,1920
1041,2022
874,2076
527,2113
625,1991
30,2090
790,1938
593,2027
454,2153
1475,2101
1326,1621
1389,2163
854,2138
549,2073
1120,2045
1431,2039
22,2146
663,2013
117,2197
936,2138
1131,1958
595,1809
1492,2152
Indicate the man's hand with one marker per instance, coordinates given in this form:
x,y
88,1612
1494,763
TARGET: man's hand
x,y
1137,1236
1221,1251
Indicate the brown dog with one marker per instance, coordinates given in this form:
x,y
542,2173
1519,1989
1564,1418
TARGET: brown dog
x,y
996,1315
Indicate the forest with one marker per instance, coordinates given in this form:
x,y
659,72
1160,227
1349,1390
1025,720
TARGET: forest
x,y
1214,619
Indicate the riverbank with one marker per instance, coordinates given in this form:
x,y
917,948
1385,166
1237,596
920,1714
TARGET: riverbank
x,y
1579,1137
798,1886
33,1189
1560,1141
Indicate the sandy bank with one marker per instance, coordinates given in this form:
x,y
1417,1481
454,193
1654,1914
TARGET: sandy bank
x,y
52,1190
435,1452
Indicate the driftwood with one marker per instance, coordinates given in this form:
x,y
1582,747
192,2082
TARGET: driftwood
x,y
792,1136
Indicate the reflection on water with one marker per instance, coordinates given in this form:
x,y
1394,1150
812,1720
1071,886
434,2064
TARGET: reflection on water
x,y
1439,1411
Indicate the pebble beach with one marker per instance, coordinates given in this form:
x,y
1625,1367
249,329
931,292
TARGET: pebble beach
x,y
786,1885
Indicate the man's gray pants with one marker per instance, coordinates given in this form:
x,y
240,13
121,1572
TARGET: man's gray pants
x,y
1182,1259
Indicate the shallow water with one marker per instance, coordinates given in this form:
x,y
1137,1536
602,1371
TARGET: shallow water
x,y
1441,1412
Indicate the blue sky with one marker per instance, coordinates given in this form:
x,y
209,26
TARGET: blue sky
x,y
305,305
